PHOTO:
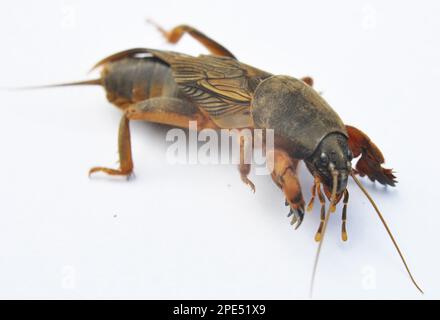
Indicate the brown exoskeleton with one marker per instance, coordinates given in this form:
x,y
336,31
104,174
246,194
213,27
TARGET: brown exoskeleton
x,y
218,91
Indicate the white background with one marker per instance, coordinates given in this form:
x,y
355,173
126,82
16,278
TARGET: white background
x,y
197,231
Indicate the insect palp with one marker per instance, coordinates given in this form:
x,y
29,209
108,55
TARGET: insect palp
x,y
324,227
321,225
344,216
315,186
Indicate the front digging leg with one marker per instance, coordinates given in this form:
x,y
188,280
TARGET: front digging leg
x,y
283,171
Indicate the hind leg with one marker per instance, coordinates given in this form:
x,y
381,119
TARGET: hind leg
x,y
175,34
167,111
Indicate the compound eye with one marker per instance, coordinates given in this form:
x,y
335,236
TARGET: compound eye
x,y
324,159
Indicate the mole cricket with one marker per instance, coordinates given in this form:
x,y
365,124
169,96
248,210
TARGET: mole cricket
x,y
217,91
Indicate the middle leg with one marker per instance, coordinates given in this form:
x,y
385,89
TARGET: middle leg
x,y
124,150
245,161
175,34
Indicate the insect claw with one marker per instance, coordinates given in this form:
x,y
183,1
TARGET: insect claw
x,y
294,220
298,224
248,182
298,216
300,213
286,203
290,213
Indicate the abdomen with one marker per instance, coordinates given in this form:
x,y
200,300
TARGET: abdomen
x,y
132,80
